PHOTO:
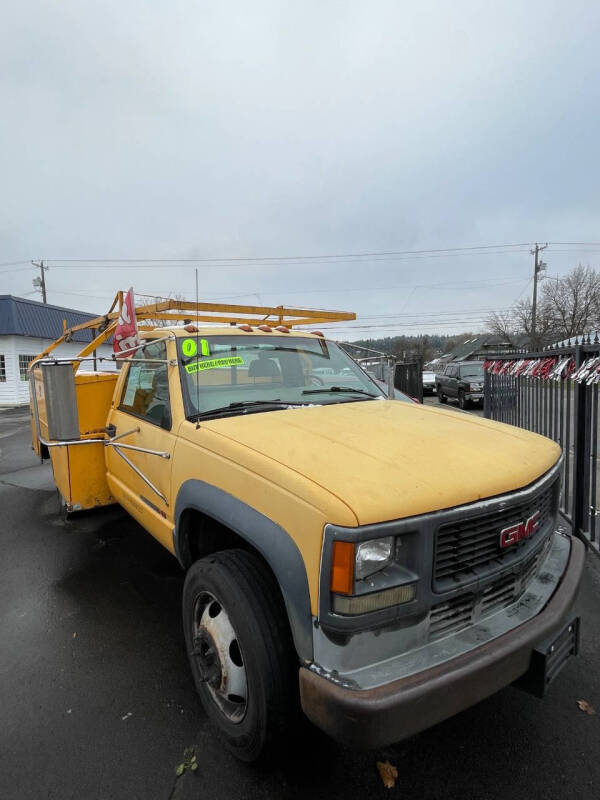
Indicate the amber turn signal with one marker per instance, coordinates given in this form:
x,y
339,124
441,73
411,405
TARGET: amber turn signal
x,y
342,568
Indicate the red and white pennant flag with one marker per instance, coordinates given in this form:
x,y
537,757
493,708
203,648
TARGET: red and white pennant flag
x,y
125,337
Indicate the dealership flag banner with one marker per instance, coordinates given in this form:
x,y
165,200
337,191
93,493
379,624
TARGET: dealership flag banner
x,y
552,368
125,338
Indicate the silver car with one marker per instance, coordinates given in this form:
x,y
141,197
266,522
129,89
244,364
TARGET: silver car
x,y
428,382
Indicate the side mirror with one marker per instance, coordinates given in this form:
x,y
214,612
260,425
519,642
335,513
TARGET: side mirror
x,y
56,401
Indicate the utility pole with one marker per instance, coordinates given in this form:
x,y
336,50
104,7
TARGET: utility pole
x,y
538,266
40,283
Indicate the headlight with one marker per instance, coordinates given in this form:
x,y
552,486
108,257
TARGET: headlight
x,y
373,556
352,563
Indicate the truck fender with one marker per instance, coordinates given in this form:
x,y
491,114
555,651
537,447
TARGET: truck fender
x,y
274,544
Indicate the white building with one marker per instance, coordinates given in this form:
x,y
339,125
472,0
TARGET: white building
x,y
26,328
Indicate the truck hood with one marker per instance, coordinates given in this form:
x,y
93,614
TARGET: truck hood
x,y
388,460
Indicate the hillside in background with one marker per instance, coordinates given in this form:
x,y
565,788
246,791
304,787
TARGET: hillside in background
x,y
427,347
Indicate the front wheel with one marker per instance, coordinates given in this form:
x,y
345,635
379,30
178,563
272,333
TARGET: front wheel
x,y
441,397
240,650
463,403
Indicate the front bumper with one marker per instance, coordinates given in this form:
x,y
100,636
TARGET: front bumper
x,y
384,714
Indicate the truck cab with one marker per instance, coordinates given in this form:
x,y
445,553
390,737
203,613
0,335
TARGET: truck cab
x,y
330,567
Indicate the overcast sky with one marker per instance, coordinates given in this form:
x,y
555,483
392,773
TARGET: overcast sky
x,y
196,130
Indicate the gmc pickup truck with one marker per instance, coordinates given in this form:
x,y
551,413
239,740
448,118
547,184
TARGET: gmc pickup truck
x,y
462,381
330,564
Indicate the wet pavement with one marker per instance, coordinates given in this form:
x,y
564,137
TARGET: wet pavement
x,y
432,400
97,700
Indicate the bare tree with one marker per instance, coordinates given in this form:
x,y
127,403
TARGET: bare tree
x,y
567,307
505,325
573,302
545,325
163,323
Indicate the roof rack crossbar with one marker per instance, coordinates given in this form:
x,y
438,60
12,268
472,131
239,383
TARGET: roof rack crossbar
x,y
180,310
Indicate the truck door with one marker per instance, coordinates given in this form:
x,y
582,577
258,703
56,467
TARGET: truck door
x,y
452,383
138,461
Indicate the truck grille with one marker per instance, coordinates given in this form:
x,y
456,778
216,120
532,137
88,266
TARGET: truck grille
x,y
465,609
468,549
451,616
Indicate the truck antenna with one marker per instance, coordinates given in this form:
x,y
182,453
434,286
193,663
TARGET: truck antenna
x,y
197,345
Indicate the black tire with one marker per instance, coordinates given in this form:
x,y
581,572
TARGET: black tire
x,y
441,397
463,403
242,585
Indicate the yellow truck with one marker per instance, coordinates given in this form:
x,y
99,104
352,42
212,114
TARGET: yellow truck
x,y
333,564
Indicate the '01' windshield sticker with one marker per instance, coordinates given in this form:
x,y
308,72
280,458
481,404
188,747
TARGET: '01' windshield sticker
x,y
189,347
214,363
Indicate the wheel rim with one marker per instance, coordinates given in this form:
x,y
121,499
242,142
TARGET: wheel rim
x,y
218,657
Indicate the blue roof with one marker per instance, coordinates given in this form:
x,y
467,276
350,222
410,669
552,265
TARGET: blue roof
x,y
21,317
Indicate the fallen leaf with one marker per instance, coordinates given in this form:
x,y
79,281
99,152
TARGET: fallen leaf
x,y
194,766
75,635
388,773
179,770
585,706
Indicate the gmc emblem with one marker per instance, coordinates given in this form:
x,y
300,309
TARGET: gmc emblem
x,y
520,531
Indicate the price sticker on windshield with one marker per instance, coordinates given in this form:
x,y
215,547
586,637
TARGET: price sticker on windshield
x,y
213,363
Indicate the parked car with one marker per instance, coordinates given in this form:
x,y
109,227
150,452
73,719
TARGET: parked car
x,y
428,382
462,381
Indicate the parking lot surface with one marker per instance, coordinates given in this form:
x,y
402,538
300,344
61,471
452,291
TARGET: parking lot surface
x,y
432,400
97,700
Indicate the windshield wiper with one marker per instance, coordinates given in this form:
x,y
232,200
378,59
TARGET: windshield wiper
x,y
343,389
241,404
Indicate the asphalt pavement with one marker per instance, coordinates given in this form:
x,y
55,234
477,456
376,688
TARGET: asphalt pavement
x,y
432,400
97,700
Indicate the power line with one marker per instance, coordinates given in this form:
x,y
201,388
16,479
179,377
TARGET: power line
x,y
272,261
14,263
224,264
462,285
405,316
289,258
448,313
445,252
437,326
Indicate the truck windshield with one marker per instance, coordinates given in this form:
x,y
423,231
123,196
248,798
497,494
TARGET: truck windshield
x,y
236,374
472,372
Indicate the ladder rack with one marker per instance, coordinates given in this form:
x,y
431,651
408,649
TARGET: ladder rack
x,y
182,310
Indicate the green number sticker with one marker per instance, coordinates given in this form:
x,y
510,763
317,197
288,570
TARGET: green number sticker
x,y
189,347
214,363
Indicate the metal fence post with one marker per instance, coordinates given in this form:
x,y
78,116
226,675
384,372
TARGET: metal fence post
x,y
487,395
581,455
